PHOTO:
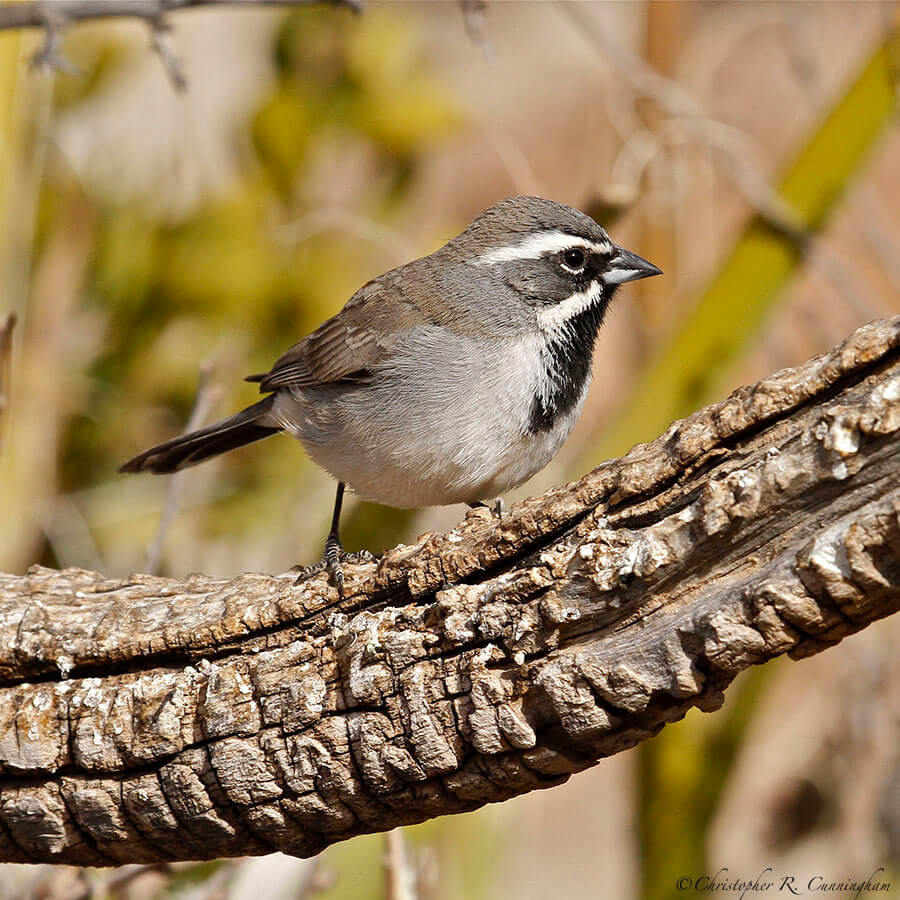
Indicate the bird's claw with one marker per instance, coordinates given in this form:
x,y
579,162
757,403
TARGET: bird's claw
x,y
497,508
332,562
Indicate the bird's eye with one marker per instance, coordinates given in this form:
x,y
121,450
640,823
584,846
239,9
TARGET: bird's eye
x,y
574,259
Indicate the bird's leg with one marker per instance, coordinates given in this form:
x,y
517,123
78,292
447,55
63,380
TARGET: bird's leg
x,y
334,551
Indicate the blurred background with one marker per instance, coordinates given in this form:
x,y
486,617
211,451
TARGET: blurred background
x,y
159,244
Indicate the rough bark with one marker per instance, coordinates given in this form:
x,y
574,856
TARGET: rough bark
x,y
152,719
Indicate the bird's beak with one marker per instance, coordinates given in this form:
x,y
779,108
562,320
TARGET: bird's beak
x,y
628,266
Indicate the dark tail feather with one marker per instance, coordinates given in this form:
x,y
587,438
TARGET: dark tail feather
x,y
242,428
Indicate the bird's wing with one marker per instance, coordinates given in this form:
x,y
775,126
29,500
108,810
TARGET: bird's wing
x,y
344,349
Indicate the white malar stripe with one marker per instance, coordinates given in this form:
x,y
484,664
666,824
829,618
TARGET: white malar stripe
x,y
555,316
536,245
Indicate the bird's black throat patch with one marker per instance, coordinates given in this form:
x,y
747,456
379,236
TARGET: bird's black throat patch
x,y
568,357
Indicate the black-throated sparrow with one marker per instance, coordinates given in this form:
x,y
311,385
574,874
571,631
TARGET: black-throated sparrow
x,y
449,379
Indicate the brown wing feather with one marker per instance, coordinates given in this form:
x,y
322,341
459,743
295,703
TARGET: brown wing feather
x,y
344,348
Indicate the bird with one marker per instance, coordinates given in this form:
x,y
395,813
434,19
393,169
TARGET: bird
x,y
450,379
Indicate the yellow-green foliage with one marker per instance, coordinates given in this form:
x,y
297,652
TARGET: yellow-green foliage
x,y
359,80
683,772
224,283
690,370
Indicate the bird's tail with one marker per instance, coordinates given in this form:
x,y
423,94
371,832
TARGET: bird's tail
x,y
242,428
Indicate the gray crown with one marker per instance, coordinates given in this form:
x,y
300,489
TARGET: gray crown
x,y
517,217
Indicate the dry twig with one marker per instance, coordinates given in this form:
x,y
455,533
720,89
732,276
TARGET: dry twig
x,y
50,56
164,48
34,13
399,878
54,16
7,324
729,144
473,18
207,396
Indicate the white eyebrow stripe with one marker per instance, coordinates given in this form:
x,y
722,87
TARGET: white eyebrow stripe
x,y
536,245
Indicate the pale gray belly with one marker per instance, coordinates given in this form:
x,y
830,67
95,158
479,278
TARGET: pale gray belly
x,y
453,431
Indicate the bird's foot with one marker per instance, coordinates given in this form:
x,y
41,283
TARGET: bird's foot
x,y
332,562
498,507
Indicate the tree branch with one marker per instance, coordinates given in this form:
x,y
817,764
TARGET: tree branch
x,y
207,397
151,719
36,14
54,16
7,324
